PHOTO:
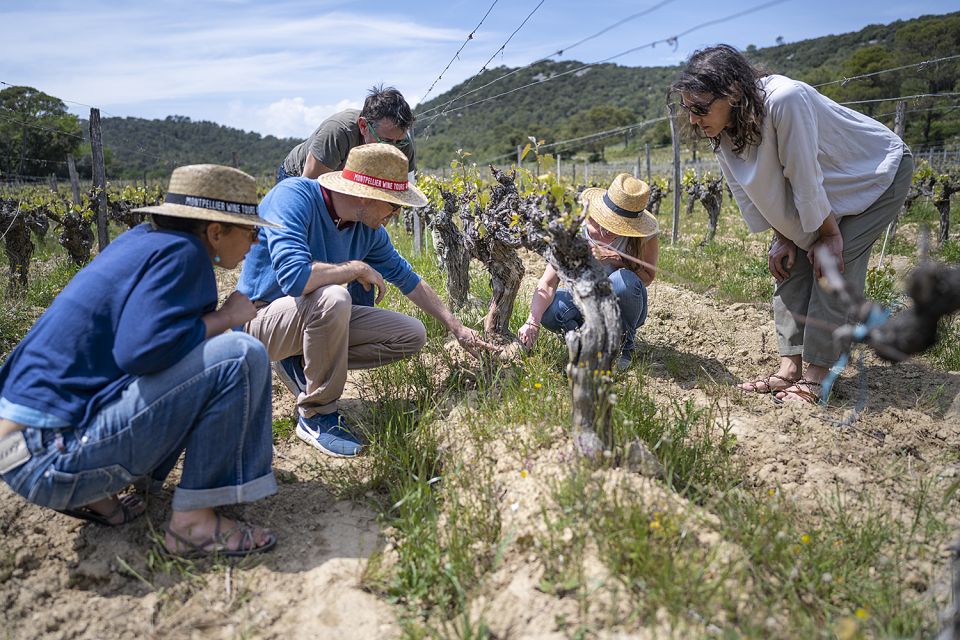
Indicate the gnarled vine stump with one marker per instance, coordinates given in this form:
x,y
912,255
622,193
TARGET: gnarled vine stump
x,y
543,228
493,242
453,255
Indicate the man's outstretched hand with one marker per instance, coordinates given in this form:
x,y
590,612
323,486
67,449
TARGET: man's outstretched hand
x,y
472,343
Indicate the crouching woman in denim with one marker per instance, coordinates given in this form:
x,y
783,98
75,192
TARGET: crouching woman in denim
x,y
623,237
133,364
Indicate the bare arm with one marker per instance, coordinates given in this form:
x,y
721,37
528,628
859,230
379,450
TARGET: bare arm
x,y
312,168
324,273
542,297
236,310
427,299
649,253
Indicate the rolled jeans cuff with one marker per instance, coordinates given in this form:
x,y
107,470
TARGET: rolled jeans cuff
x,y
189,499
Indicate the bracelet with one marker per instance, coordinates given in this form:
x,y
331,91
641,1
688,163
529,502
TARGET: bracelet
x,y
535,325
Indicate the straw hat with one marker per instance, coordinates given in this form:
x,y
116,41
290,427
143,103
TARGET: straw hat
x,y
211,192
621,208
377,171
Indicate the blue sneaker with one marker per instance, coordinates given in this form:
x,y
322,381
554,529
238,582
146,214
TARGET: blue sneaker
x,y
290,372
330,434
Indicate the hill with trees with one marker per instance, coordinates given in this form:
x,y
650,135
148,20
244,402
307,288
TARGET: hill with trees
x,y
551,100
555,101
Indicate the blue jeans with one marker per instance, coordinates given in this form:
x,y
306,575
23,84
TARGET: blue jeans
x,y
563,315
214,404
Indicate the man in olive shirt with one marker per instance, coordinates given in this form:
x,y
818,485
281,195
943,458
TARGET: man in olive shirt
x,y
385,117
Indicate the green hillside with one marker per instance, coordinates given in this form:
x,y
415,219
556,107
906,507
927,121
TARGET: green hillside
x,y
137,147
580,101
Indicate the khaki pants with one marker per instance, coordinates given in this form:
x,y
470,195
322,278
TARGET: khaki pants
x,y
799,297
333,335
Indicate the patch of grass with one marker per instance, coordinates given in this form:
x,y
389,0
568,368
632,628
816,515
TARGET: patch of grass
x,y
845,566
881,285
945,354
695,449
23,307
731,271
949,252
283,428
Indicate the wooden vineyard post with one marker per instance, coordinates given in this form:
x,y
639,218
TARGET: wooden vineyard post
x,y
648,162
52,182
899,124
74,179
636,169
99,180
417,233
559,173
674,135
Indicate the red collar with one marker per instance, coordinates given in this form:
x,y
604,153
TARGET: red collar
x,y
338,222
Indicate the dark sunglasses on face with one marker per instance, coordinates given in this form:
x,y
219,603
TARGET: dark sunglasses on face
x,y
699,110
402,143
252,232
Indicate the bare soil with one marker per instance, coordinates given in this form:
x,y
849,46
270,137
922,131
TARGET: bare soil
x,y
66,579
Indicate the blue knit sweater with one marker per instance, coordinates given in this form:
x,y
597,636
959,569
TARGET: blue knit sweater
x,y
281,265
135,309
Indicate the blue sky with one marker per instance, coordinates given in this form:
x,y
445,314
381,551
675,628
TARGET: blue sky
x,y
280,67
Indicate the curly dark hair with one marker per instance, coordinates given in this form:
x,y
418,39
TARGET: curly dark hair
x,y
724,72
387,103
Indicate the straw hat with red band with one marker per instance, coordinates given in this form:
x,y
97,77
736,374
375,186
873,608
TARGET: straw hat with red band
x,y
212,192
377,171
621,208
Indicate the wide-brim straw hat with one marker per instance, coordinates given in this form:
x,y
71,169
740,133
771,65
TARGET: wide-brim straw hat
x,y
621,208
377,171
211,192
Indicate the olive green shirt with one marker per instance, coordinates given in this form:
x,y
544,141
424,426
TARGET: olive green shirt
x,y
331,143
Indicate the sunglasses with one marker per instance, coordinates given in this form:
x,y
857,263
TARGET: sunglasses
x,y
699,110
402,143
253,232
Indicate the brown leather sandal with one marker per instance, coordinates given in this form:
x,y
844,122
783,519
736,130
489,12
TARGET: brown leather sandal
x,y
804,392
769,385
131,506
218,543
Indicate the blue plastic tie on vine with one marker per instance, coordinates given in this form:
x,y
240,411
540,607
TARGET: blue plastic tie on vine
x,y
878,316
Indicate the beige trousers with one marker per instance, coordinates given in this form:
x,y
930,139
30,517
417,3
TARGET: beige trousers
x,y
334,335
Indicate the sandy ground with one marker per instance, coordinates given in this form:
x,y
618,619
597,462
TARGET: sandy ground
x,y
66,579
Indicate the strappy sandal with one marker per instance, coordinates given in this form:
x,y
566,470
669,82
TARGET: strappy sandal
x,y
767,382
803,389
131,506
218,543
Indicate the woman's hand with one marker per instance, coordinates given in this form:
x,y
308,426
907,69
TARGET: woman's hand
x,y
238,308
608,257
528,334
780,257
831,247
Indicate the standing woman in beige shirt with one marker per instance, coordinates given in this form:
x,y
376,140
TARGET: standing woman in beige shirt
x,y
818,174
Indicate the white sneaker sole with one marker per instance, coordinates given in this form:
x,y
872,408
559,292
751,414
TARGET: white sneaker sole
x,y
307,437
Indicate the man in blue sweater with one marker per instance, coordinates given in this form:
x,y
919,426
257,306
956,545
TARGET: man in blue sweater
x,y
333,235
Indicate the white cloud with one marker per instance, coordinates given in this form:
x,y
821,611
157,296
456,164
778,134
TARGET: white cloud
x,y
285,118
